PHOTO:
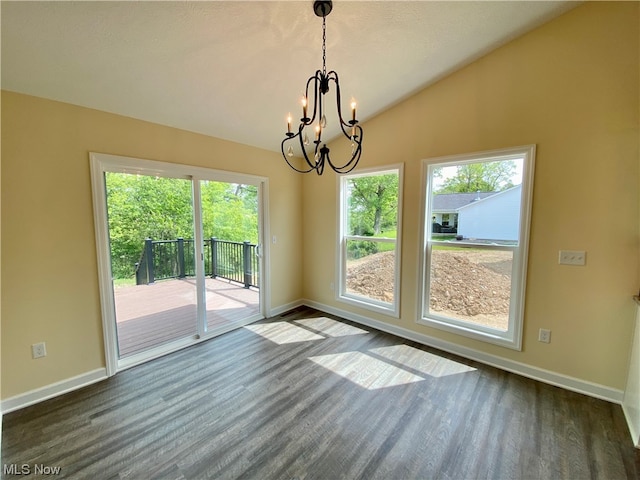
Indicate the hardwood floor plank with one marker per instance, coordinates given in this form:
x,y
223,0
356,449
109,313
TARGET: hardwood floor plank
x,y
307,395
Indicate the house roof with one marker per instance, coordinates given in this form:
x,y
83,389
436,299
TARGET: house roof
x,y
449,202
492,195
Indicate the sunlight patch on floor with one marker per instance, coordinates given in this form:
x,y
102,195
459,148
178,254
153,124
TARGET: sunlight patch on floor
x,y
365,370
283,332
329,327
421,361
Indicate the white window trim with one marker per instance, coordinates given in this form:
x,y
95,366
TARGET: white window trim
x,y
385,308
512,338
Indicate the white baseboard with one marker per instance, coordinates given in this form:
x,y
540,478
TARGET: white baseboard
x,y
44,393
557,379
285,308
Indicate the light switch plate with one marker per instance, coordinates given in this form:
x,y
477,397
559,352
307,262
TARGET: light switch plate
x,y
572,257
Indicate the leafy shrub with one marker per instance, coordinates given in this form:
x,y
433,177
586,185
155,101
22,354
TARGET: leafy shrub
x,y
361,249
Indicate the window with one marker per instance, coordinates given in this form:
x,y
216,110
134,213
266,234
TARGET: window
x,y
474,268
369,258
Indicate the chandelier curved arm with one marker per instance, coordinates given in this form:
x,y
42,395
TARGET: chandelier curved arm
x,y
287,160
319,153
351,164
317,80
351,130
332,76
318,160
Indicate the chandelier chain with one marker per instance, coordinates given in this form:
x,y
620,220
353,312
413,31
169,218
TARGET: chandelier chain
x,y
324,46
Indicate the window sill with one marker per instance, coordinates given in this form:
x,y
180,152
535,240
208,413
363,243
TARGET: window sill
x,y
384,309
506,340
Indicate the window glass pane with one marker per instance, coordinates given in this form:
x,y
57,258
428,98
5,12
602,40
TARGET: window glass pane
x,y
229,211
372,205
477,201
369,228
151,231
471,285
370,270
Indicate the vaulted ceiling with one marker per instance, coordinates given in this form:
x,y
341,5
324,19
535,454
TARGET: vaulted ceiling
x,y
235,69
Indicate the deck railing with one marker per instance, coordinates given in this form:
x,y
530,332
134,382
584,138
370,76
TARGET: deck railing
x,y
164,259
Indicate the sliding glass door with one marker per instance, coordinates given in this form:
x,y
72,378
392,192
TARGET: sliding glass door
x,y
152,255
230,223
179,254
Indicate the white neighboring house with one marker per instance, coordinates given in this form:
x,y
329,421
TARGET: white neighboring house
x,y
496,217
446,205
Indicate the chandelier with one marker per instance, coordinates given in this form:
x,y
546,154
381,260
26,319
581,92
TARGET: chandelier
x,y
316,153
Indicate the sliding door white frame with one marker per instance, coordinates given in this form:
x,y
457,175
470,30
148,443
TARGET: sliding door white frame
x,y
100,164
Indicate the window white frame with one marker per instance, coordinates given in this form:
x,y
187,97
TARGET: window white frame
x,y
100,164
512,337
387,308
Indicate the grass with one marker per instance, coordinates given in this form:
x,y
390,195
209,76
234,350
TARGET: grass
x,y
124,282
386,247
379,246
442,236
389,234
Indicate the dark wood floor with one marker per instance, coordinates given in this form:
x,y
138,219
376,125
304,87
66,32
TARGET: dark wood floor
x,y
305,396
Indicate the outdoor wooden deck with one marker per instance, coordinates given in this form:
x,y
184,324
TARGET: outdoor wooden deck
x,y
150,315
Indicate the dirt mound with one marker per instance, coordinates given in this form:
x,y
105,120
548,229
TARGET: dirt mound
x,y
372,276
466,284
472,285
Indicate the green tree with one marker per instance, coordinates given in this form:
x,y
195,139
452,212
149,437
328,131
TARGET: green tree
x,y
142,206
230,211
479,177
373,202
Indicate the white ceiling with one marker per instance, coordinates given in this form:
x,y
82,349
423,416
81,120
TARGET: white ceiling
x,y
235,69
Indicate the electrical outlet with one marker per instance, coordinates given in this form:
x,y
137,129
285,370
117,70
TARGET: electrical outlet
x,y
572,257
331,286
544,335
38,350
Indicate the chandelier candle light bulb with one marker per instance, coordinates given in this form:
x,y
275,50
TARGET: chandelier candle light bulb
x,y
315,156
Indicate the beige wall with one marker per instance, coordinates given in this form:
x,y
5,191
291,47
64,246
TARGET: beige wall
x,y
570,87
49,270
